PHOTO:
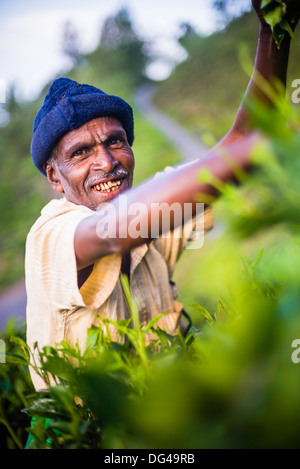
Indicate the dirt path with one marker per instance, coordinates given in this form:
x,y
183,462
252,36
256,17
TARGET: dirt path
x,y
189,146
13,300
13,303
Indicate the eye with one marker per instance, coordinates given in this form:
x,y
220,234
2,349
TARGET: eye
x,y
116,142
84,151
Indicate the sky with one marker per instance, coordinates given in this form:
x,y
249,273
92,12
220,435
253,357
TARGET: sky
x,y
31,34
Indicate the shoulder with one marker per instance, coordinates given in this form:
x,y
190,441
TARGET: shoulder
x,y
57,212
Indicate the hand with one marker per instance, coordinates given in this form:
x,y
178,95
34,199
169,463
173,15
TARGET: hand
x,y
291,13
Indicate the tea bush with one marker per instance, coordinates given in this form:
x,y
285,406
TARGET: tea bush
x,y
231,383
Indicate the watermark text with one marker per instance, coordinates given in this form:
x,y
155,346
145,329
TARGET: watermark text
x,y
2,351
296,353
122,219
296,93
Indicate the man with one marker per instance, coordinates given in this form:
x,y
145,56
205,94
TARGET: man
x,y
82,141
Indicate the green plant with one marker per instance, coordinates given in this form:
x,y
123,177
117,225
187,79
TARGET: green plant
x,y
231,382
274,12
15,386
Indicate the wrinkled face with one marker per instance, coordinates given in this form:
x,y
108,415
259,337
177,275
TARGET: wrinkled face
x,y
94,163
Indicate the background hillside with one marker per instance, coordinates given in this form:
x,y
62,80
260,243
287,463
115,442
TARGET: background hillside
x,y
202,94
115,66
233,382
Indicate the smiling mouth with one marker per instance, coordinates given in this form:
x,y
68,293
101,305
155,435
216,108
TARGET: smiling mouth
x,y
109,186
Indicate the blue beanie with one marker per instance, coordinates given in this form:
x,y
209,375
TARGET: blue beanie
x,y
67,106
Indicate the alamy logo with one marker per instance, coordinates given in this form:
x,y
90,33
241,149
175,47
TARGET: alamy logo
x,y
296,353
2,351
296,93
123,219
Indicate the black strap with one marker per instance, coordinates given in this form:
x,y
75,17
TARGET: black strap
x,y
183,330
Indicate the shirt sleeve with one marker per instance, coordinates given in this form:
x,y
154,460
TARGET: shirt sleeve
x,y
51,262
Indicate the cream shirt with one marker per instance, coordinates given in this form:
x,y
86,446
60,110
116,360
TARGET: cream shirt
x,y
58,310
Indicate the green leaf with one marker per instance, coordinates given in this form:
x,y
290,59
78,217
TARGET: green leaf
x,y
274,16
131,301
47,408
23,345
269,3
15,358
278,34
161,333
274,12
59,367
39,432
48,350
209,317
93,337
153,321
61,427
284,24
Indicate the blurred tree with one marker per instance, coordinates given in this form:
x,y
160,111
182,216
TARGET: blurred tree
x,y
187,30
228,9
121,45
11,105
71,47
188,34
221,5
118,30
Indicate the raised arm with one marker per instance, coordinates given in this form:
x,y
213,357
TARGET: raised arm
x,y
271,63
181,185
175,187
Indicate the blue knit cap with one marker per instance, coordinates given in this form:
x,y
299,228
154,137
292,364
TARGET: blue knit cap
x,y
67,106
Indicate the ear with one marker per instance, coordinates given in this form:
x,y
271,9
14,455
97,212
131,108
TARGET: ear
x,y
53,177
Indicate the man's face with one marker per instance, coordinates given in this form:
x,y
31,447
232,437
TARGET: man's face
x,y
94,163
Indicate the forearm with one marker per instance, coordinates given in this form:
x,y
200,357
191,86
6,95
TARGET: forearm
x,y
270,64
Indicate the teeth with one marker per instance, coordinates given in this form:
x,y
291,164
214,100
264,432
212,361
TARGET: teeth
x,y
108,186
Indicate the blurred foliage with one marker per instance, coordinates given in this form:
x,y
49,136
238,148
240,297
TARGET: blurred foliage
x,y
22,194
15,386
228,9
204,92
71,43
274,12
116,66
231,382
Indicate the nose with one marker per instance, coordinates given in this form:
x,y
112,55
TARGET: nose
x,y
104,160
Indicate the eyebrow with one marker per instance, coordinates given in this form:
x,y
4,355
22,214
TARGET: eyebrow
x,y
114,133
77,146
89,140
